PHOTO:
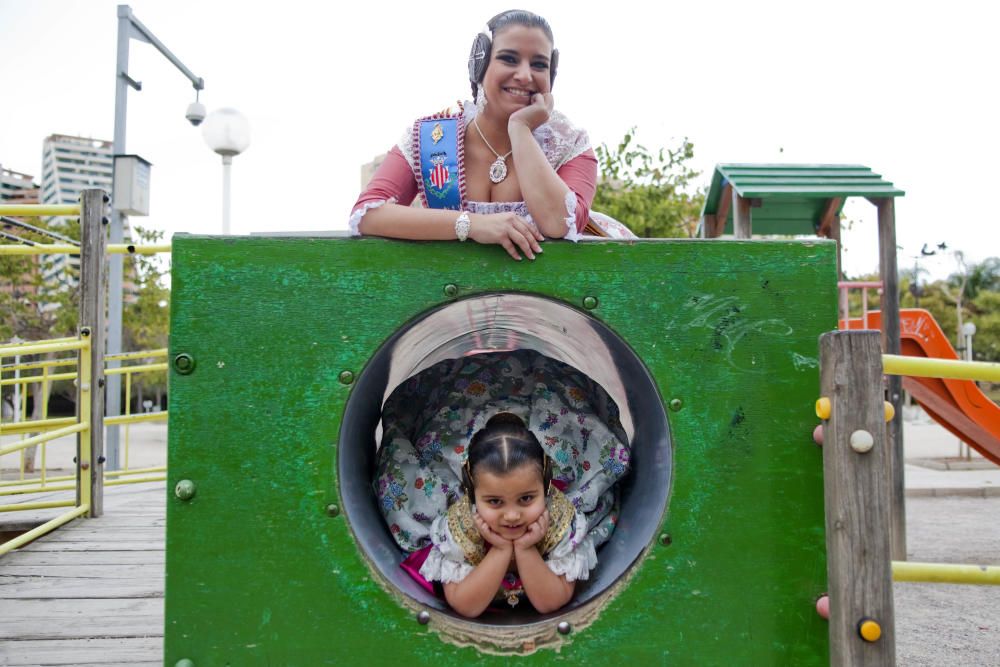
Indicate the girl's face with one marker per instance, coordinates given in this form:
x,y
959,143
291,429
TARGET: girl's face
x,y
518,69
510,502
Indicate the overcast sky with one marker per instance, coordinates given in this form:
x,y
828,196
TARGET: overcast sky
x,y
906,88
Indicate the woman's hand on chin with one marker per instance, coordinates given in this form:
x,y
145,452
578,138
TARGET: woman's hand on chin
x,y
533,115
508,230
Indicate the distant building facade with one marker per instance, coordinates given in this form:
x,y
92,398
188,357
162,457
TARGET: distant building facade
x,y
71,165
17,188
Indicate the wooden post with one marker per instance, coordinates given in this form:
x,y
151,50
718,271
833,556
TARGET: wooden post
x,y
891,345
93,241
741,216
856,493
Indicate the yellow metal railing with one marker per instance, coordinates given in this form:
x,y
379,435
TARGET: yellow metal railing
x,y
952,369
946,573
81,505
45,483
38,210
70,249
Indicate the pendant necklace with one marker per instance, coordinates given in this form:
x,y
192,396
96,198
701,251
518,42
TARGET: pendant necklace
x,y
498,170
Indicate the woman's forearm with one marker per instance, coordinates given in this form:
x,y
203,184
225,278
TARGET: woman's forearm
x,y
547,590
405,222
544,192
471,596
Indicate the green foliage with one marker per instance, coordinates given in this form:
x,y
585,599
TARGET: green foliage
x,y
985,314
35,309
649,191
980,303
146,313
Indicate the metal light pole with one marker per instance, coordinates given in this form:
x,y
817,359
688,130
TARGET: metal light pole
x,y
968,331
129,27
226,132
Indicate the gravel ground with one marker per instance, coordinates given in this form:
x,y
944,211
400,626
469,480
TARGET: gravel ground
x,y
942,624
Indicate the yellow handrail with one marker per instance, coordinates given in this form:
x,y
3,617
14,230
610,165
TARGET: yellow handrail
x,y
39,210
44,437
132,249
67,339
38,425
135,369
136,419
43,529
894,364
143,354
945,573
44,505
59,345
29,379
70,249
40,249
36,365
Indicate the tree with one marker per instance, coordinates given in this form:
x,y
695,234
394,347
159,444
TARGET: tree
x,y
649,192
37,309
146,319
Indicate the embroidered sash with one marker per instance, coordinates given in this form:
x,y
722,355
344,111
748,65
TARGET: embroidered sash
x,y
440,148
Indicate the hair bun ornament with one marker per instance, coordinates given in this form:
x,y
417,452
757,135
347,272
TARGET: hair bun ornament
x,y
504,419
479,57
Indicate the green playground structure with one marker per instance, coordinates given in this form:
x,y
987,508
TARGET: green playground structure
x,y
284,348
276,553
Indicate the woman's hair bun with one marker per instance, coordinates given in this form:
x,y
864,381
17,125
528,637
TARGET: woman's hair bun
x,y
505,419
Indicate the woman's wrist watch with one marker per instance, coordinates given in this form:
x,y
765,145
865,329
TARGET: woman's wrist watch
x,y
462,225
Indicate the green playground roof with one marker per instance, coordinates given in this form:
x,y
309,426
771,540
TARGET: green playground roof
x,y
792,198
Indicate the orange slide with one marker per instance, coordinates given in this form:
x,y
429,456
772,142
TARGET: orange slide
x,y
958,405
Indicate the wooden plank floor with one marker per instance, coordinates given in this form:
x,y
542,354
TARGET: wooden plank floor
x,y
91,592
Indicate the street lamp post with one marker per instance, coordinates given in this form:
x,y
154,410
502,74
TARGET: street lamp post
x,y
968,331
227,132
129,27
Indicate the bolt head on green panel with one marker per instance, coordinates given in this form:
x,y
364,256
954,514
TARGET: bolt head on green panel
x,y
184,364
185,489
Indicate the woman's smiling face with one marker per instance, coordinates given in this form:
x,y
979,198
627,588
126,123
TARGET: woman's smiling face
x,y
518,69
510,502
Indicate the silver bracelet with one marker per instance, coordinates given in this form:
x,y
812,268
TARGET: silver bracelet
x,y
462,225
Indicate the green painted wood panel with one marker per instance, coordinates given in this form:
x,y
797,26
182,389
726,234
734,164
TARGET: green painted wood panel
x,y
259,574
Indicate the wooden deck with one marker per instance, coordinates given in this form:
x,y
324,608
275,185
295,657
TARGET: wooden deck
x,y
91,592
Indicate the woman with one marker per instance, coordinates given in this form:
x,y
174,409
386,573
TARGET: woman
x,y
508,170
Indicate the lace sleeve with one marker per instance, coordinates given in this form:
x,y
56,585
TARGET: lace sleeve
x,y
446,561
571,232
574,557
359,213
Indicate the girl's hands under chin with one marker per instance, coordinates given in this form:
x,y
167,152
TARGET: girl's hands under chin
x,y
491,537
534,534
535,114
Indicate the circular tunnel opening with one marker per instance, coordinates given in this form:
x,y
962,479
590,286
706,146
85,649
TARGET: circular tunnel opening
x,y
503,322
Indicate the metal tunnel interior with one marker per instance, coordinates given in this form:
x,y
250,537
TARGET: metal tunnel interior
x,y
503,322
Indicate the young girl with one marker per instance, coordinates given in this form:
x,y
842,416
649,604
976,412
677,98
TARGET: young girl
x,y
513,534
445,446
